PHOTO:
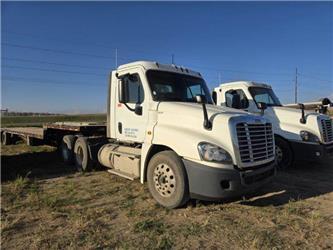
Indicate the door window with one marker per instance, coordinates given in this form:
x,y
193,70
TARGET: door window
x,y
236,99
135,89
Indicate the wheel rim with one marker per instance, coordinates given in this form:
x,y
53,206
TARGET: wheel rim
x,y
164,180
279,154
79,156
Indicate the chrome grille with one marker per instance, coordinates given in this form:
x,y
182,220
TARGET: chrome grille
x,y
255,142
327,130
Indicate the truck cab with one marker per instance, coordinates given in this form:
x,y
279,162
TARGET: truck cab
x,y
299,134
163,128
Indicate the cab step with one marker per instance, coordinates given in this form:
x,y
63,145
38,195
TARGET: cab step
x,y
123,174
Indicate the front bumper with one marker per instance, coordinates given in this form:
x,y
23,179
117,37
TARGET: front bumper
x,y
312,151
208,183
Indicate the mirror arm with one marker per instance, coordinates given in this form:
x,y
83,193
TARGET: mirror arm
x,y
302,120
133,110
128,107
207,122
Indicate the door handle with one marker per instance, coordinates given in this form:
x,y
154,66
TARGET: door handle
x,y
120,127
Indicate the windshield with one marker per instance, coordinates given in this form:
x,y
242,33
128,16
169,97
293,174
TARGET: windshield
x,y
264,95
174,87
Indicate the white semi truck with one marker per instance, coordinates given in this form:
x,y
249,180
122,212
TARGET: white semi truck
x,y
299,134
163,128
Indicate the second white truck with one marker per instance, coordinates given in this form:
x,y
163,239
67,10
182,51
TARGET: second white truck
x,y
299,134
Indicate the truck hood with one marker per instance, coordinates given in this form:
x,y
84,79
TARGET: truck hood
x,y
296,113
286,121
195,110
184,121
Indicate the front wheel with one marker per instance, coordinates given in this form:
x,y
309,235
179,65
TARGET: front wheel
x,y
284,154
167,179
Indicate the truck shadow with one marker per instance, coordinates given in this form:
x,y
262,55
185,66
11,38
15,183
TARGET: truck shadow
x,y
40,165
303,181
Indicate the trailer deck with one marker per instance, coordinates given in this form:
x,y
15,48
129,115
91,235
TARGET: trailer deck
x,y
34,132
52,133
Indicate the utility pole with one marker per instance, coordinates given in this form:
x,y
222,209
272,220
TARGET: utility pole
x,y
116,57
172,58
296,83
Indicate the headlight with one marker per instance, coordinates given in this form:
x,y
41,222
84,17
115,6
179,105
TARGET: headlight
x,y
307,136
213,153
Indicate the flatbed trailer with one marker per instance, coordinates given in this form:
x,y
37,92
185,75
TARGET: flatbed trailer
x,y
51,133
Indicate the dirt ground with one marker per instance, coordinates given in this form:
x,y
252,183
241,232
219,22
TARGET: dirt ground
x,y
47,205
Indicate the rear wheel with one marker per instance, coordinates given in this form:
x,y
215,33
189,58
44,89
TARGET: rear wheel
x,y
67,149
284,154
82,158
167,179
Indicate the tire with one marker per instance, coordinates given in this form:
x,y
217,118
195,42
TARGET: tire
x,y
284,154
67,149
167,180
5,138
82,159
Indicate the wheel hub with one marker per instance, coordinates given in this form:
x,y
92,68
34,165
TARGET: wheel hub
x,y
279,154
164,180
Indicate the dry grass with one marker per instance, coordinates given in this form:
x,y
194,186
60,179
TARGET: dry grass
x,y
57,208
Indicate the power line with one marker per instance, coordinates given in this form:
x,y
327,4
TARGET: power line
x,y
54,63
106,44
315,78
56,51
54,38
47,81
236,71
53,70
116,59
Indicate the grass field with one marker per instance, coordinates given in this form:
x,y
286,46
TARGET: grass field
x,y
13,121
47,205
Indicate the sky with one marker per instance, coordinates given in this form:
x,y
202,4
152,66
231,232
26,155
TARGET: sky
x,y
56,56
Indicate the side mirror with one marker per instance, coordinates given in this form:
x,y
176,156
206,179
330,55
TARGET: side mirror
x,y
138,109
123,91
200,99
262,106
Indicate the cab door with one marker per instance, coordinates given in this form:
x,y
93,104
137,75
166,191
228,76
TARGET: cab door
x,y
132,116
